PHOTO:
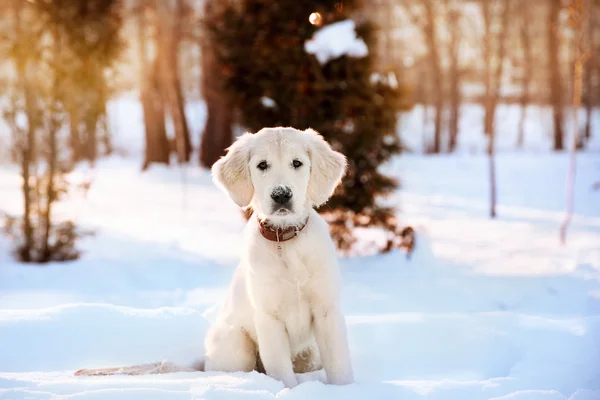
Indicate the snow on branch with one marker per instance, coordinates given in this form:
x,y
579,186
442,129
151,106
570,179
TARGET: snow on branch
x,y
336,40
267,102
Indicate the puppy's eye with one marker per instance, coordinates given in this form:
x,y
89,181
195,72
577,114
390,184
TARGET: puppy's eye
x,y
297,163
262,166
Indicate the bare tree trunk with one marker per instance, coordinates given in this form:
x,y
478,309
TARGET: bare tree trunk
x,y
556,86
591,94
581,14
26,160
424,131
157,144
83,130
589,104
455,75
169,38
51,160
74,138
431,39
487,55
527,67
90,145
489,106
493,80
217,135
27,145
105,139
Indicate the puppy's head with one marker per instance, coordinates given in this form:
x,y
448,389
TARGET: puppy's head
x,y
281,172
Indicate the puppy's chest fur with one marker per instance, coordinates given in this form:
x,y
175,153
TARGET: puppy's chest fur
x,y
287,272
285,283
294,267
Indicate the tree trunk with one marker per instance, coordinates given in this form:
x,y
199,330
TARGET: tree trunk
x,y
526,79
105,137
27,145
582,14
74,138
493,81
51,161
455,75
433,48
589,103
157,144
217,135
592,66
556,86
90,145
489,106
168,40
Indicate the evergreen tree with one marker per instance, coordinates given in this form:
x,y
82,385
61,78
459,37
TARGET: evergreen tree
x,y
274,81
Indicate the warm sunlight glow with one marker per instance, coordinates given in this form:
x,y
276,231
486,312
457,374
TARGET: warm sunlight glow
x,y
315,19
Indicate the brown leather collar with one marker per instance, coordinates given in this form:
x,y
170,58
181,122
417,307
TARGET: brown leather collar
x,y
278,234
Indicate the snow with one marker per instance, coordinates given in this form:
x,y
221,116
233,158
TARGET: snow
x,y
483,310
267,102
336,40
393,82
390,80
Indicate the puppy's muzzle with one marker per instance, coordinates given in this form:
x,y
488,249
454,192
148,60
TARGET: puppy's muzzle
x,y
281,195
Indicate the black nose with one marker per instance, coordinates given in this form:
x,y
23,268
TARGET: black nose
x,y
281,194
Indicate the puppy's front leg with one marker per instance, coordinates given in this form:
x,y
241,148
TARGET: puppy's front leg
x,y
332,339
274,349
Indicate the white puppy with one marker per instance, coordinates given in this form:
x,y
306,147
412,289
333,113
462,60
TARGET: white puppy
x,y
282,314
283,307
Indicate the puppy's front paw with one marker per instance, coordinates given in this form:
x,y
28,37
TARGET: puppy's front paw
x,y
341,378
290,382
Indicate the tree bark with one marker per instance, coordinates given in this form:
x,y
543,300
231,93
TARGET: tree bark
x,y
493,81
90,144
157,144
26,146
455,75
168,41
592,65
589,103
105,139
527,67
217,135
431,39
489,106
556,86
581,12
51,160
74,138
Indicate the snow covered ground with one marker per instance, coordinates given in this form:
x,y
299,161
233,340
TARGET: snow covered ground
x,y
483,310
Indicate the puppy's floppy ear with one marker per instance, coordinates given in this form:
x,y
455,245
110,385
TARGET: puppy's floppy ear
x,y
327,167
232,172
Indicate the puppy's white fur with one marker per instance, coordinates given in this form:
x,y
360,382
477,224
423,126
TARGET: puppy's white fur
x,y
283,305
